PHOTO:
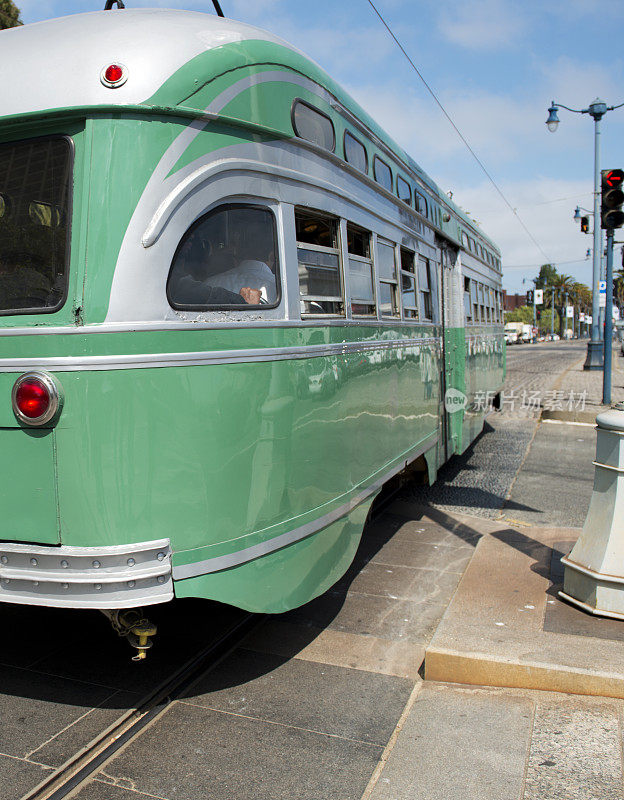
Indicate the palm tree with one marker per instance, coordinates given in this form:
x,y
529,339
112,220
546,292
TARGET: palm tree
x,y
563,286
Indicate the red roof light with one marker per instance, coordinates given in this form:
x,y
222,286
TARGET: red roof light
x,y
114,75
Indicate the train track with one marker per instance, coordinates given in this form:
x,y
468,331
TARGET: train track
x,y
82,765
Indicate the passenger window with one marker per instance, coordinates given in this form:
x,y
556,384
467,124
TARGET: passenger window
x,y
318,254
388,286
475,301
355,153
227,259
404,190
312,125
383,173
35,197
467,302
424,288
421,204
360,271
464,238
408,285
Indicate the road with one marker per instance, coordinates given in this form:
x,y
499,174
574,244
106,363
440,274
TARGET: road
x,y
518,469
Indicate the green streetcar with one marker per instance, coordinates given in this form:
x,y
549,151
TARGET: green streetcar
x,y
231,308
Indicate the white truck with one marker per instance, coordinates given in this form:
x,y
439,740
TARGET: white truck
x,y
513,332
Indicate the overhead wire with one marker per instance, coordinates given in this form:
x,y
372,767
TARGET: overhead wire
x,y
459,133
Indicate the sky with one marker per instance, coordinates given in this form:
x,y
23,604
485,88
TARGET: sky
x,y
495,66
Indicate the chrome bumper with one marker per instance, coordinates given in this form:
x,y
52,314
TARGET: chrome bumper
x,y
121,576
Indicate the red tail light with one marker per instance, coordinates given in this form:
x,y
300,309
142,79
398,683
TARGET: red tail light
x,y
35,398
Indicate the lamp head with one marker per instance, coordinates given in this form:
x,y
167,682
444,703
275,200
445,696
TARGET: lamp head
x,y
553,120
577,214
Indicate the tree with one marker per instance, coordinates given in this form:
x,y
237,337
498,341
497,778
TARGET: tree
x,y
521,314
9,15
547,276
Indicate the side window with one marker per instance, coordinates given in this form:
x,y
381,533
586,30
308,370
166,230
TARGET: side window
x,y
355,153
467,300
360,271
408,285
475,301
313,126
424,288
420,203
383,173
404,190
481,304
227,259
388,286
464,238
35,205
318,254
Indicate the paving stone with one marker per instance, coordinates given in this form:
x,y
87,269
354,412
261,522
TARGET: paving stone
x,y
340,648
35,707
192,753
269,687
457,744
396,620
575,753
406,583
401,552
19,777
100,790
56,751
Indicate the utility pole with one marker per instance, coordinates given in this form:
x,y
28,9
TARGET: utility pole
x,y
608,330
552,313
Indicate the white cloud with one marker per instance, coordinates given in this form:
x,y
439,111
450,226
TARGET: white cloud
x,y
576,83
550,224
482,24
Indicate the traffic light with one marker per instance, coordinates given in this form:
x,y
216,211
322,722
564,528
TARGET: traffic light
x,y
584,224
530,297
611,213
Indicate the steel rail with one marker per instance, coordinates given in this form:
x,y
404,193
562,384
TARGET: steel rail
x,y
81,766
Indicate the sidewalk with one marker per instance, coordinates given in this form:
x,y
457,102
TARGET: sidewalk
x,y
535,737
588,385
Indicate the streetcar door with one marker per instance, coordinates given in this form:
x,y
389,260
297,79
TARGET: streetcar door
x,y
453,349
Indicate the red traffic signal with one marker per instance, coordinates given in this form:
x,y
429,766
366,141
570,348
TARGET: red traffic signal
x,y
612,215
613,178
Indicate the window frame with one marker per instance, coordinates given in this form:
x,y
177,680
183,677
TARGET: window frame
x,y
198,307
413,275
370,261
378,159
389,281
33,310
409,189
347,132
428,291
341,300
322,114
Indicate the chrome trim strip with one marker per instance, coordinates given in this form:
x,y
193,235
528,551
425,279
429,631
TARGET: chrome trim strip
x,y
206,357
182,571
206,325
119,576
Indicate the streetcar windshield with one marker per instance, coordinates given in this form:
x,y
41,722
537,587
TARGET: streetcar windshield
x,y
34,224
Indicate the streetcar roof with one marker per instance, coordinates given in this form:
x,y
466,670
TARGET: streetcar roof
x,y
59,63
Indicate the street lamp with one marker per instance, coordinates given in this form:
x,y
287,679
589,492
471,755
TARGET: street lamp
x,y
597,109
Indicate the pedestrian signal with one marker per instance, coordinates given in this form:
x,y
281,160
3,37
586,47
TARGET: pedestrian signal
x,y
611,213
529,297
584,224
